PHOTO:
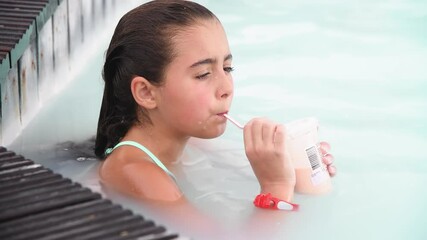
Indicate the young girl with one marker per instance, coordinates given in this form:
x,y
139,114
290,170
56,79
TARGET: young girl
x,y
167,78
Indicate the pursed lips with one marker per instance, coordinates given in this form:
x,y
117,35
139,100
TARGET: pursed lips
x,y
222,113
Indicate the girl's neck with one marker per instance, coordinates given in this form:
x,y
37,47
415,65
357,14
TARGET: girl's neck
x,y
167,148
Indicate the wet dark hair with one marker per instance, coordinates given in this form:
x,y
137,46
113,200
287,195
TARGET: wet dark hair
x,y
141,46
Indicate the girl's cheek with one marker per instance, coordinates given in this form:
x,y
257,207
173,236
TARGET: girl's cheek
x,y
203,101
190,114
198,111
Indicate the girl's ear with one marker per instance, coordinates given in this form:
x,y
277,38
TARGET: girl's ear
x,y
143,92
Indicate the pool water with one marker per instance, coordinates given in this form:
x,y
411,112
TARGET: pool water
x,y
358,67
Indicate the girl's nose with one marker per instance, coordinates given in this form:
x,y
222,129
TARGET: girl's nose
x,y
225,88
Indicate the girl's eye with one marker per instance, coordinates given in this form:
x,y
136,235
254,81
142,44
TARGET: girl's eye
x,y
203,76
228,69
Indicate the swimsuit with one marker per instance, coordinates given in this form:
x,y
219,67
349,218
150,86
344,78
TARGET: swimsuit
x,y
144,149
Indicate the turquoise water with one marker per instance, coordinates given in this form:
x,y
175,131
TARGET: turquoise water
x,y
357,66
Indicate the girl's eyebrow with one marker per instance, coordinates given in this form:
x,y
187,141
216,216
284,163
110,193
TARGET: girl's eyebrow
x,y
210,61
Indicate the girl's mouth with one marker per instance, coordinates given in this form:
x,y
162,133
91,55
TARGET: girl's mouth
x,y
222,114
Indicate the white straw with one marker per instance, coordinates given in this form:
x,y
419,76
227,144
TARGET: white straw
x,y
233,121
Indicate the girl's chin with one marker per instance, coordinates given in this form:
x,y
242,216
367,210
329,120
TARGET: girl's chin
x,y
214,133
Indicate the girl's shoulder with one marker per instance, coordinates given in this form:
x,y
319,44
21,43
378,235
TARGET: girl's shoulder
x,y
132,172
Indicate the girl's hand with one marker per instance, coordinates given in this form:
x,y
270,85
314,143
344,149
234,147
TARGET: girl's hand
x,y
328,159
265,149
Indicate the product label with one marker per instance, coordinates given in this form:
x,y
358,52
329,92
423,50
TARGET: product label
x,y
318,174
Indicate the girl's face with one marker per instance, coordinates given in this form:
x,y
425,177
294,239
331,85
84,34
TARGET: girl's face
x,y
198,85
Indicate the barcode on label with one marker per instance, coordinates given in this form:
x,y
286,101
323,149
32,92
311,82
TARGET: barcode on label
x,y
313,156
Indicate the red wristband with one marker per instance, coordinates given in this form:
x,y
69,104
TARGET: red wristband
x,y
268,201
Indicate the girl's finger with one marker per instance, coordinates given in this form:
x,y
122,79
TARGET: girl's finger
x,y
328,159
268,133
257,133
279,137
247,136
324,148
332,170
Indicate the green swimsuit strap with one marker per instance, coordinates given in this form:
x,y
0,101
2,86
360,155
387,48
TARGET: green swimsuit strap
x,y
144,149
